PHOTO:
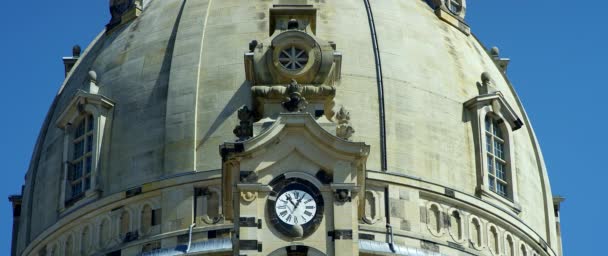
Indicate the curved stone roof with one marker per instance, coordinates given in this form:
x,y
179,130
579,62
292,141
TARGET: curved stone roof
x,y
176,77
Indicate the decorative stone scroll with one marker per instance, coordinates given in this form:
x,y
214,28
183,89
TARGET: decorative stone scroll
x,y
245,128
344,130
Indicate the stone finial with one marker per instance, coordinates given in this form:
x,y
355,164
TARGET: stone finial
x,y
252,45
76,50
486,79
93,76
495,52
93,87
344,130
245,128
486,86
295,102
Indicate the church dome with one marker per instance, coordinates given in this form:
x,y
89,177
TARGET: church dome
x,y
182,120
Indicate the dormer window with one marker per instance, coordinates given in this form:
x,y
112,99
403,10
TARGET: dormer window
x,y
494,122
84,122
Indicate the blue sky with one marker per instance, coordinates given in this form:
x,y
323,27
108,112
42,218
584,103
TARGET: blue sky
x,y
557,65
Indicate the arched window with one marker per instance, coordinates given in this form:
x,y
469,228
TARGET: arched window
x,y
83,122
496,156
125,224
54,251
85,241
456,225
104,233
476,233
69,244
493,241
146,219
494,123
510,246
81,163
434,219
523,250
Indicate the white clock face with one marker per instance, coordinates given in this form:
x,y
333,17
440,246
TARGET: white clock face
x,y
295,207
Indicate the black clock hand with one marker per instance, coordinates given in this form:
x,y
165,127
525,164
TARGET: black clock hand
x,y
290,201
298,203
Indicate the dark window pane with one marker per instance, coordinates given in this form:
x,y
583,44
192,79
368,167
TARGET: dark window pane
x,y
490,164
79,130
76,189
489,143
498,150
91,123
89,143
501,189
88,167
78,148
87,183
492,183
500,171
488,125
77,173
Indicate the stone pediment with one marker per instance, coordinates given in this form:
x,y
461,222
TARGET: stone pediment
x,y
294,145
499,106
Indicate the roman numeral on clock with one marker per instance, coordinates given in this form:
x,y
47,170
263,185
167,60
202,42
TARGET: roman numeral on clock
x,y
283,213
310,207
308,213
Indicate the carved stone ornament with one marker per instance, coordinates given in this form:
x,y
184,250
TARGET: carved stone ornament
x,y
294,102
119,9
342,195
249,196
486,86
344,130
245,128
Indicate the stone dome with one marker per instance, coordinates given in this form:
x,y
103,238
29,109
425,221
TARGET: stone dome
x,y
128,157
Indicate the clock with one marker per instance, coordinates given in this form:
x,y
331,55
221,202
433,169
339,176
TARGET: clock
x,y
295,207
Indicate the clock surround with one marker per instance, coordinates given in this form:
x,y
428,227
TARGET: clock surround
x,y
299,225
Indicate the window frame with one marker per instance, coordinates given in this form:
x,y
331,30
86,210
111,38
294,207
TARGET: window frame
x,y
497,159
82,158
82,106
494,105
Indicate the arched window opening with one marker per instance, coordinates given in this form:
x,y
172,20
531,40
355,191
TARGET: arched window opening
x,y
104,233
510,247
85,241
146,219
207,203
370,205
456,225
524,251
54,251
493,243
496,150
476,232
125,224
435,218
69,244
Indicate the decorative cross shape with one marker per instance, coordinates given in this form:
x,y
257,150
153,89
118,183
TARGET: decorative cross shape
x,y
293,58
